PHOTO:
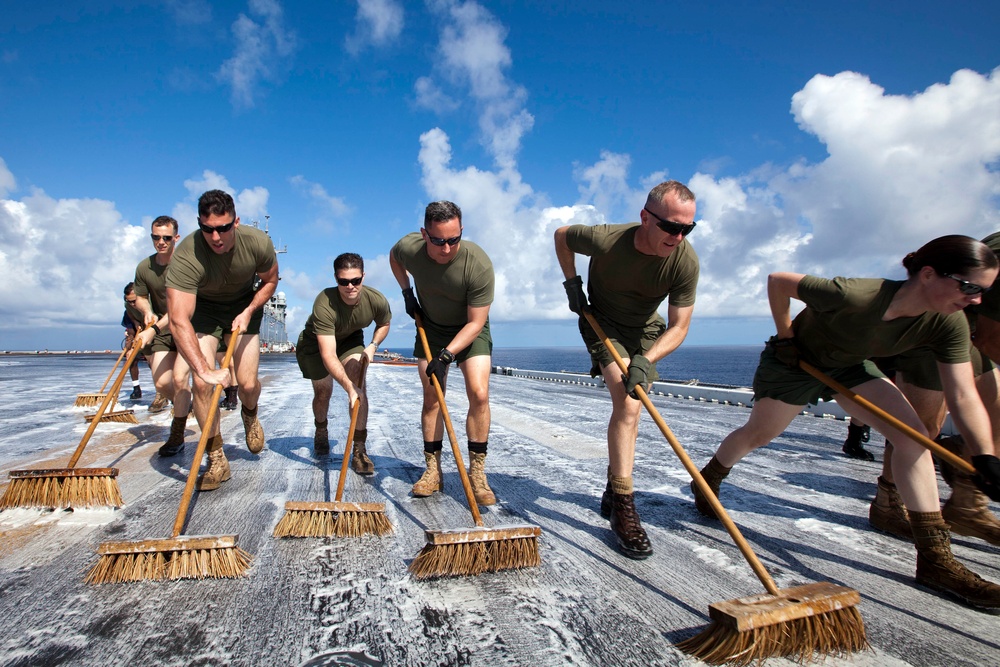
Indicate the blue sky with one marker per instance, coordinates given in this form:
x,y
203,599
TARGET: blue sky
x,y
823,138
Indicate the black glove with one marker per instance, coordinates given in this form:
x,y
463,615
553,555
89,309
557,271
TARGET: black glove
x,y
410,304
439,366
574,292
988,479
785,351
638,373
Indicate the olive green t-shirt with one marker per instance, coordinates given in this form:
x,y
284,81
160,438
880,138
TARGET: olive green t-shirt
x,y
196,269
842,324
446,291
627,286
332,317
151,283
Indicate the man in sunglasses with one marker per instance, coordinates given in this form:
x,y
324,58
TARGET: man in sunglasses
x,y
210,293
633,268
332,344
454,282
171,374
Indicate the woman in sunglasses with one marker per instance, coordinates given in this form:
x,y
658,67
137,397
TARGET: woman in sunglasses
x,y
847,321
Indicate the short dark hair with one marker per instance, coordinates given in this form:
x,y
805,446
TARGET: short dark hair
x,y
951,254
129,288
441,211
656,195
348,260
216,202
165,220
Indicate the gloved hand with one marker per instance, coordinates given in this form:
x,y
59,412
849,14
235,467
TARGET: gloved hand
x,y
410,304
439,366
988,479
638,372
785,351
574,292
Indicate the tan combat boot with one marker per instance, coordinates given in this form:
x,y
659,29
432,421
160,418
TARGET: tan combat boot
x,y
713,473
887,512
432,479
477,477
968,513
360,463
159,403
218,467
254,431
938,570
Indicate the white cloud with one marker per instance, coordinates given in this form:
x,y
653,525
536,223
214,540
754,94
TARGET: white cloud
x,y
263,50
7,182
378,23
251,203
430,96
330,211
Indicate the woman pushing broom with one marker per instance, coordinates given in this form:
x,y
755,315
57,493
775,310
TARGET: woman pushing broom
x,y
847,321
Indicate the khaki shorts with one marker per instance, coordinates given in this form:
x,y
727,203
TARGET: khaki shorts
x,y
628,341
794,386
438,338
216,319
311,363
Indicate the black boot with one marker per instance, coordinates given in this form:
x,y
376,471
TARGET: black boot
x,y
854,447
629,533
174,443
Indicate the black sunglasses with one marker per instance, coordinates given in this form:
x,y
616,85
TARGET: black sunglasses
x,y
440,242
672,228
156,238
222,229
344,282
967,288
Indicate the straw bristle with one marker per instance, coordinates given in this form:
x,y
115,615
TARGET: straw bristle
x,y
88,400
58,492
838,632
472,558
122,416
221,563
332,523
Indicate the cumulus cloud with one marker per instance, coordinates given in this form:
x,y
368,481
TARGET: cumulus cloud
x,y
263,51
7,182
378,23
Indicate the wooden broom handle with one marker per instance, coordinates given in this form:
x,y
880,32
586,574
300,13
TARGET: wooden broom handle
x,y
206,428
906,429
699,480
111,396
473,507
108,379
355,409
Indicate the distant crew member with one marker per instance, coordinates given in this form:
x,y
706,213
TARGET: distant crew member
x,y
633,268
132,321
210,294
331,345
454,284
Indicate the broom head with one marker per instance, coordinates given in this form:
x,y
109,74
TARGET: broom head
x,y
62,488
122,416
88,400
477,550
817,618
192,557
337,519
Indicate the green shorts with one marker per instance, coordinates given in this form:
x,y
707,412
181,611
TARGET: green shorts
x,y
794,386
919,367
438,338
162,342
627,340
212,318
311,363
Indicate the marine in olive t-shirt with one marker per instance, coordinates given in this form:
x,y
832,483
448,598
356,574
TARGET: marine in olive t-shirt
x,y
332,317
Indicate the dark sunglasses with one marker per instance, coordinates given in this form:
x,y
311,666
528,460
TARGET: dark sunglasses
x,y
672,228
130,301
440,242
222,229
344,282
967,288
156,238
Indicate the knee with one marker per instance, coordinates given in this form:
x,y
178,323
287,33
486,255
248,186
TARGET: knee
x,y
479,397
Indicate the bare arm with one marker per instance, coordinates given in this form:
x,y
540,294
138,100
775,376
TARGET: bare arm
x,y
402,277
150,319
328,352
967,407
269,283
781,289
678,324
181,305
378,337
565,256
477,320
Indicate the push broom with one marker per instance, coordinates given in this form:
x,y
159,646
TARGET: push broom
x,y
336,519
87,400
908,430
112,415
476,550
179,556
791,622
57,488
